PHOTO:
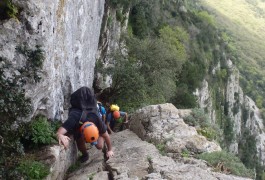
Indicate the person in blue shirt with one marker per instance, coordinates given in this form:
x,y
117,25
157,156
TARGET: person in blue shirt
x,y
102,111
116,120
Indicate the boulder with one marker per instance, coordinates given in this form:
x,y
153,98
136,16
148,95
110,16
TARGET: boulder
x,y
137,159
162,124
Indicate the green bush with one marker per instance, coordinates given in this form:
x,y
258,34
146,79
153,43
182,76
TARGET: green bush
x,y
34,63
119,15
161,148
42,131
201,120
230,162
185,153
208,132
8,10
198,118
229,134
33,169
74,167
109,21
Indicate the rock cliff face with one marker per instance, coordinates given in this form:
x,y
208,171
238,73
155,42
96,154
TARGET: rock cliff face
x,y
110,41
138,159
68,33
241,109
162,124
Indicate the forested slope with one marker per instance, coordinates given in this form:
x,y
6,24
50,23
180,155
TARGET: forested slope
x,y
244,21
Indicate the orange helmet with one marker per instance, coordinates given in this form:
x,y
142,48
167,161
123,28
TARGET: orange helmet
x,y
89,132
116,114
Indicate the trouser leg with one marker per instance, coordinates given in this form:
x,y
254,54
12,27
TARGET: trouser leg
x,y
80,142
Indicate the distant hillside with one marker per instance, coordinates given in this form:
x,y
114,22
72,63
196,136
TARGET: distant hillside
x,y
244,21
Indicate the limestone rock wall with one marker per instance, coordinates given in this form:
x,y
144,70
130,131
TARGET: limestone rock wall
x,y
110,41
162,124
242,110
68,32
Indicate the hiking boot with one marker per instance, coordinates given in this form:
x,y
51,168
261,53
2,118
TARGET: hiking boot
x,y
84,158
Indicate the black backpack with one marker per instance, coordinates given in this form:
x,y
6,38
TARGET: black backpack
x,y
85,100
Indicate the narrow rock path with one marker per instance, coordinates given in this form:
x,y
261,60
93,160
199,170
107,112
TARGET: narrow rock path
x,y
137,159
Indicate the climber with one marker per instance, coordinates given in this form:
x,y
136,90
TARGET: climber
x,y
116,119
101,111
85,124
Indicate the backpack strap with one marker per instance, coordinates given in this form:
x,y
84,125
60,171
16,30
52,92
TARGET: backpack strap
x,y
83,117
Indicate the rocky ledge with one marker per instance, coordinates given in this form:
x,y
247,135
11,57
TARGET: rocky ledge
x,y
137,155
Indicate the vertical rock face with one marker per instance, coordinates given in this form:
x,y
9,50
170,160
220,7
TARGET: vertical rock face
x,y
241,109
110,41
234,98
205,101
68,33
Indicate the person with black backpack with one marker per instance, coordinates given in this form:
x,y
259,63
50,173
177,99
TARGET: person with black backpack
x,y
85,124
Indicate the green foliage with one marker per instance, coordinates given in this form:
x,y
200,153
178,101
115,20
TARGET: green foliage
x,y
109,21
127,83
201,120
244,50
247,149
183,97
229,161
149,159
13,103
174,39
185,153
139,22
145,18
119,15
35,59
161,148
126,4
8,10
10,149
229,134
222,74
206,18
74,167
33,169
197,118
91,176
42,132
245,115
135,75
208,132
262,112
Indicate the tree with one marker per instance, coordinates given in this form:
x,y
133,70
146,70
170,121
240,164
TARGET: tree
x,y
146,74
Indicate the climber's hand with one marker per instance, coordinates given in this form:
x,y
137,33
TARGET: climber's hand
x,y
63,140
110,154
